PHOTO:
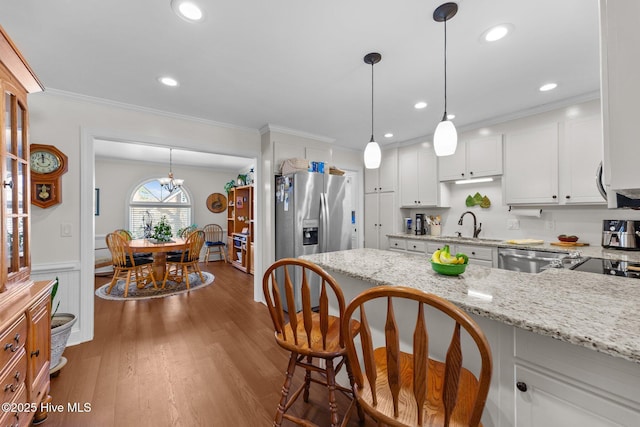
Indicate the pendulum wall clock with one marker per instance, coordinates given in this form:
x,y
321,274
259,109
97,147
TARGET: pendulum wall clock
x,y
48,164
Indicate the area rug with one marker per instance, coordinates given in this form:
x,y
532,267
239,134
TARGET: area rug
x,y
172,288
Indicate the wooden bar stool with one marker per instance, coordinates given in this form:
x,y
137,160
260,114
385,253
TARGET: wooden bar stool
x,y
411,389
308,334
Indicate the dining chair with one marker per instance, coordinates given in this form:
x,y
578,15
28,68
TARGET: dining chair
x,y
187,261
310,335
399,388
183,233
126,234
125,264
214,240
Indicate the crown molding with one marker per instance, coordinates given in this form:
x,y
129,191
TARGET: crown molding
x,y
138,108
281,129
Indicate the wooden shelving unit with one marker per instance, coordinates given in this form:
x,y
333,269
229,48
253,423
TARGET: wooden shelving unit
x,y
240,223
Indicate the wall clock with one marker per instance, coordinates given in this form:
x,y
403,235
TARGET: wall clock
x,y
217,202
47,164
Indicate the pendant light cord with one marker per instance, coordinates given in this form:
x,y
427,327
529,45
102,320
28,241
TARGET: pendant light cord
x,y
444,117
372,139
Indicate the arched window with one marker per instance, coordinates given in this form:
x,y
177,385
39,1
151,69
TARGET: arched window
x,y
151,197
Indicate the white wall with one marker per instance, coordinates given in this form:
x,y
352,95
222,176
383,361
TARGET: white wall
x,y
117,178
70,123
583,221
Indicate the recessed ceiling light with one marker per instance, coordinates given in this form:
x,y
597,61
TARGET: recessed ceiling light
x,y
451,116
420,105
388,135
496,33
548,87
187,10
168,81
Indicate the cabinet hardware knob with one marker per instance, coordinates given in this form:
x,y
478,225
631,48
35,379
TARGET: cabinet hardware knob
x,y
554,196
17,376
17,338
473,252
567,196
522,386
462,174
35,353
8,346
10,387
7,184
470,173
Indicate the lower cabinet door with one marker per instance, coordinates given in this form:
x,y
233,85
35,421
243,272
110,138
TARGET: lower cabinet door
x,y
38,350
542,400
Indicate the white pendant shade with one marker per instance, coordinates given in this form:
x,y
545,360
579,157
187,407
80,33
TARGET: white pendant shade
x,y
372,155
445,139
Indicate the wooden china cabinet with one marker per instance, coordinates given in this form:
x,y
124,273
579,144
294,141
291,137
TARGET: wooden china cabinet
x,y
25,306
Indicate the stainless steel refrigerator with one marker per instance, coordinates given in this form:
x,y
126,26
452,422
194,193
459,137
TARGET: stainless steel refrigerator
x,y
313,215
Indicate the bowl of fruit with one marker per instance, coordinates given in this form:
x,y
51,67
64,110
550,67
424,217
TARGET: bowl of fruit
x,y
567,238
443,262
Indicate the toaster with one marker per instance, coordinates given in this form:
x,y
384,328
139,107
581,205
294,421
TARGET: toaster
x,y
621,234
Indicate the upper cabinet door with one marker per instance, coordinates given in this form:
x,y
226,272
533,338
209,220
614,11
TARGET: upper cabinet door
x,y
580,155
385,178
484,156
620,62
474,158
531,166
454,166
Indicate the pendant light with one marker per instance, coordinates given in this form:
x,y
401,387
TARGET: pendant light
x,y
372,153
170,183
445,138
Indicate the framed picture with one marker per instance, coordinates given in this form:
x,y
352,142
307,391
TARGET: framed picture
x,y
96,203
239,202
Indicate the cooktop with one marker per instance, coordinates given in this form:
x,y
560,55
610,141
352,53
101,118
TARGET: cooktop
x,y
610,267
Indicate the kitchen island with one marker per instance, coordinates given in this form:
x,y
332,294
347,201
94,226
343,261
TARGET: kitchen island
x,y
566,344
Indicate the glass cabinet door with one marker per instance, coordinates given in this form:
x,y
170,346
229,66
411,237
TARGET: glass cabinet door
x,y
15,190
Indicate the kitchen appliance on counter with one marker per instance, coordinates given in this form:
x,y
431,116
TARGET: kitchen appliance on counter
x,y
420,225
621,234
313,215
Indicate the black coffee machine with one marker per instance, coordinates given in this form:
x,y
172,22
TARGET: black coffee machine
x,y
420,224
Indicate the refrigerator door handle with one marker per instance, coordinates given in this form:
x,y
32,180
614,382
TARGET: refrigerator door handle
x,y
324,221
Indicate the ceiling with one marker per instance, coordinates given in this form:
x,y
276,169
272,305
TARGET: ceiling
x,y
299,64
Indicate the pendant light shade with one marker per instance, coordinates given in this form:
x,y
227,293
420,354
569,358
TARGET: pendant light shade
x,y
445,138
372,153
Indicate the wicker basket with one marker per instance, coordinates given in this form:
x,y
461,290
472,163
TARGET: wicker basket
x,y
294,165
60,335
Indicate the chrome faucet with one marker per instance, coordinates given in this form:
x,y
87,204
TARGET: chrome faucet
x,y
476,229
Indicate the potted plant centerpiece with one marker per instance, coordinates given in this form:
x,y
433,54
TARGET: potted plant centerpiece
x,y
61,324
162,230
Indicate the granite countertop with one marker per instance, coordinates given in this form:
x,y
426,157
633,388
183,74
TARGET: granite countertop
x,y
591,310
590,251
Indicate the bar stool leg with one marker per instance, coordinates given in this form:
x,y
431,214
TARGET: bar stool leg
x,y
285,390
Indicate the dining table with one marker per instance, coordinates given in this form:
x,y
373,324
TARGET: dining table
x,y
159,251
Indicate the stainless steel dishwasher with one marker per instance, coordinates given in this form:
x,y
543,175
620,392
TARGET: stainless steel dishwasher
x,y
526,260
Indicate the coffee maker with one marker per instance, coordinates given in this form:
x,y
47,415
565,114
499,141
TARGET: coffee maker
x,y
420,224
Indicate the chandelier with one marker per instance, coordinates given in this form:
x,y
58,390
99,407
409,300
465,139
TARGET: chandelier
x,y
170,183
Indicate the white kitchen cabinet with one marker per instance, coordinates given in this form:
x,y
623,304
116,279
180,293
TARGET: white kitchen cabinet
x,y
620,68
474,158
580,155
531,166
559,384
385,178
379,219
545,400
418,176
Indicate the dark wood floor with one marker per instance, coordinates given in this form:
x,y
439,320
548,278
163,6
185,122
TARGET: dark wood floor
x,y
207,358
